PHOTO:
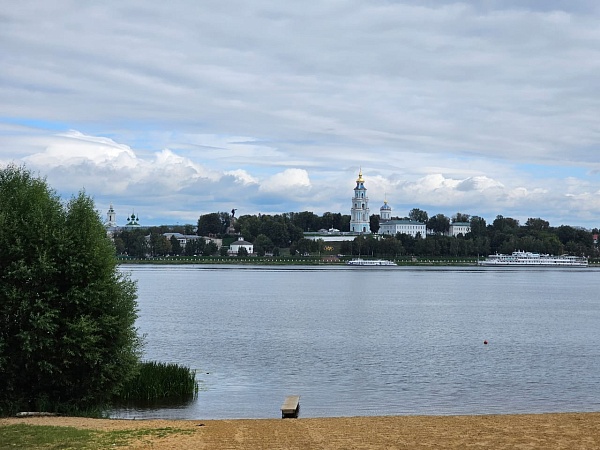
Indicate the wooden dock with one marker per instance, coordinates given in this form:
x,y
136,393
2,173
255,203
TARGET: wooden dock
x,y
291,407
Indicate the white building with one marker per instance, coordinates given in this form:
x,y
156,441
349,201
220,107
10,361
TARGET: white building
x,y
359,213
235,246
111,218
457,228
402,226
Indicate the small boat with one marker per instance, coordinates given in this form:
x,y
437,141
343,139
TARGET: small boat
x,y
370,262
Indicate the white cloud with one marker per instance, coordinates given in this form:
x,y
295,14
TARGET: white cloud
x,y
490,106
242,177
75,148
289,182
479,184
74,160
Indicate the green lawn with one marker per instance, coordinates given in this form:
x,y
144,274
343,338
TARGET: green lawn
x,y
35,437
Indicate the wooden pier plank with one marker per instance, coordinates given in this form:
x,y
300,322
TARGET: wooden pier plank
x,y
290,406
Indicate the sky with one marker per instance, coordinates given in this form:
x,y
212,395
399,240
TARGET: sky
x,y
176,109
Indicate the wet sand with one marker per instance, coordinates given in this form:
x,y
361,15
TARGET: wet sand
x,y
528,431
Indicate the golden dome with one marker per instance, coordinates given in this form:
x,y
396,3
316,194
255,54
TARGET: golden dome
x,y
360,178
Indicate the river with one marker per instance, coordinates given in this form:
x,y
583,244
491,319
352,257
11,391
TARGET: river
x,y
373,341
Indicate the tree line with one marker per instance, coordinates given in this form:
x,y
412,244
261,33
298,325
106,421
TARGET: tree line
x,y
271,233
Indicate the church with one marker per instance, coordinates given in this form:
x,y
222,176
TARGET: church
x,y
359,216
110,224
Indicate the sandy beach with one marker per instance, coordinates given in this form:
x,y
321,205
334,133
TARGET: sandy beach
x,y
529,431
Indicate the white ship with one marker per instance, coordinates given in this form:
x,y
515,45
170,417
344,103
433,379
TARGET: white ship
x,y
370,262
520,258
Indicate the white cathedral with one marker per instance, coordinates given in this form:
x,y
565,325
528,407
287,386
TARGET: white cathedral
x,y
359,216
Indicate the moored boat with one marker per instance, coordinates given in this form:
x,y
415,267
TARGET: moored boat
x,y
520,258
370,262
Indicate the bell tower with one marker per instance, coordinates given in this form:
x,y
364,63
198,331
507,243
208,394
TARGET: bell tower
x,y
111,217
359,213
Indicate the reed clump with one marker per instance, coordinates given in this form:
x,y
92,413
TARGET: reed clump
x,y
158,381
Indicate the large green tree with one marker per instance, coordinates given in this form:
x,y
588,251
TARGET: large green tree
x,y
67,314
419,215
176,248
478,227
263,244
374,223
159,245
439,223
211,224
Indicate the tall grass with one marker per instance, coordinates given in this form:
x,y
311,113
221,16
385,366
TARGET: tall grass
x,y
160,381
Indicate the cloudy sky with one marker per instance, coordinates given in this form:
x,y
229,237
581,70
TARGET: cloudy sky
x,y
180,108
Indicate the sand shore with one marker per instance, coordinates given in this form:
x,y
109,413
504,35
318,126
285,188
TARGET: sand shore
x,y
528,431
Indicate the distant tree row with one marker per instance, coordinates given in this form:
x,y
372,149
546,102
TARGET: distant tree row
x,y
504,235
271,233
139,243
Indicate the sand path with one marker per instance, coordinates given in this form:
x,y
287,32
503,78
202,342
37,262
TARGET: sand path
x,y
536,431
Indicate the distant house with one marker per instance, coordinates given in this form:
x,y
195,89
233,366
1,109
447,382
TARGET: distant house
x,y
235,246
183,238
457,228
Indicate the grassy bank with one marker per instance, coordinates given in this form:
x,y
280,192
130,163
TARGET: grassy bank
x,y
33,437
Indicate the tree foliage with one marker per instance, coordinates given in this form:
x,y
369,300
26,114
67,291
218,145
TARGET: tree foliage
x,y
439,223
176,248
478,226
374,223
418,215
67,315
460,217
210,249
132,242
212,224
263,244
159,244
308,221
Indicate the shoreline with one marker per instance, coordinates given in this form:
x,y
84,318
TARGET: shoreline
x,y
523,431
249,261
284,262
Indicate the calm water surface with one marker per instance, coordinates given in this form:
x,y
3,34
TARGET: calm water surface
x,y
374,341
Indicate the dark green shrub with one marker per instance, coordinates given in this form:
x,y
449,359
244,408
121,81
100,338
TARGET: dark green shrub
x,y
67,315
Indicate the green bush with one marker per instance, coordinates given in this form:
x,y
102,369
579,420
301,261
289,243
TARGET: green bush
x,y
67,315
